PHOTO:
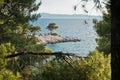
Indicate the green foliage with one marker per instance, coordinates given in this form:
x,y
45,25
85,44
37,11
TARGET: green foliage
x,y
5,74
22,29
15,16
94,67
98,66
14,22
34,29
52,26
55,34
26,64
20,41
1,1
34,48
7,49
103,29
55,70
8,75
47,50
15,28
18,11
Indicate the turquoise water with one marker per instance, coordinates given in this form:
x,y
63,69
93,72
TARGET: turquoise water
x,y
76,28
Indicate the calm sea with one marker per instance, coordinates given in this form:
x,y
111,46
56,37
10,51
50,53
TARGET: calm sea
x,y
75,28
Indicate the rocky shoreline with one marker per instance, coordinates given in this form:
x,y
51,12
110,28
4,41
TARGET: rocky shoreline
x,y
52,39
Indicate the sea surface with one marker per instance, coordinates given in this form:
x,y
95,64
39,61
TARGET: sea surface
x,y
75,28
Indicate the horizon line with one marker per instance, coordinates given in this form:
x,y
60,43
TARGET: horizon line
x,y
69,14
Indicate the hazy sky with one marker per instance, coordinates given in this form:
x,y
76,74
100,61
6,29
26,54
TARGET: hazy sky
x,y
66,7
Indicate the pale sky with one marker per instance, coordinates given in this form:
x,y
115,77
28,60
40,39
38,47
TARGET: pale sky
x,y
66,7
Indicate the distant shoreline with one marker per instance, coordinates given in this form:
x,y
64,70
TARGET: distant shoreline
x,y
69,16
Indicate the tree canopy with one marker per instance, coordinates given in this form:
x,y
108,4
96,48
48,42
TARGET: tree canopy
x,y
52,26
15,16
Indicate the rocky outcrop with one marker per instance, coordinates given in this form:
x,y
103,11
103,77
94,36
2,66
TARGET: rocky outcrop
x,y
52,39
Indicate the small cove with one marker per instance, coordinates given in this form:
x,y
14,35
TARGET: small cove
x,y
74,28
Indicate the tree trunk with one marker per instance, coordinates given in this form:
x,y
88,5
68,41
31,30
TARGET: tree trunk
x,y
115,42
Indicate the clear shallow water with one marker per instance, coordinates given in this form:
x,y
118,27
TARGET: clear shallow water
x,y
75,28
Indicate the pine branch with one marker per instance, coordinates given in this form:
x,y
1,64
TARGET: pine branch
x,y
40,53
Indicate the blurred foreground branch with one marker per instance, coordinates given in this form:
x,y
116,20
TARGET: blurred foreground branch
x,y
40,53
